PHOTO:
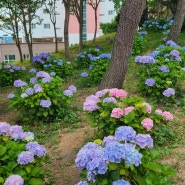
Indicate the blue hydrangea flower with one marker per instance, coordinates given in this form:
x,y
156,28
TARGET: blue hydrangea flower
x,y
4,128
169,92
53,74
68,93
150,82
109,100
24,95
72,88
29,91
45,103
82,183
25,157
164,69
10,96
46,80
125,133
121,182
19,83
84,74
32,70
36,149
33,80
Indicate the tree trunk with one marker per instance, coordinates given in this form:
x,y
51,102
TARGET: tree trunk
x,y
56,39
95,31
66,33
178,21
129,19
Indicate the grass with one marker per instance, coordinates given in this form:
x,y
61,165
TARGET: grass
x,y
49,134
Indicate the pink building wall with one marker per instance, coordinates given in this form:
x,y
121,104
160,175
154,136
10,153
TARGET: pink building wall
x,y
74,26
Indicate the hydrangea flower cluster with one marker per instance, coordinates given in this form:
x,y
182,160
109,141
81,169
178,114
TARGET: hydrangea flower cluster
x,y
145,59
84,74
70,91
150,82
32,149
114,149
41,58
169,92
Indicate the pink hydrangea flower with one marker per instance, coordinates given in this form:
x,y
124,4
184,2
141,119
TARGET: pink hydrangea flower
x,y
158,111
167,115
118,93
148,107
116,113
147,123
127,110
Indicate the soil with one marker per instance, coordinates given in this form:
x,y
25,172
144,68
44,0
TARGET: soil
x,y
62,170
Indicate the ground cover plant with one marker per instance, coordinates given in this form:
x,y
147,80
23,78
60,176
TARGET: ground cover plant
x,y
21,157
70,138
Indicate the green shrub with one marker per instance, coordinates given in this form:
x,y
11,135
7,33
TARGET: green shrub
x,y
110,108
20,155
9,73
41,100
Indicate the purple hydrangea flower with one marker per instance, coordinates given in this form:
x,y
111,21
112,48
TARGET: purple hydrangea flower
x,y
145,59
45,103
109,100
33,80
144,140
25,157
169,92
19,83
174,53
90,103
10,96
36,149
14,180
29,91
32,70
72,88
46,80
164,69
84,74
42,74
37,88
121,182
11,70
4,128
68,93
150,82
125,133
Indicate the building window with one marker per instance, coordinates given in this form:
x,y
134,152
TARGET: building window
x,y
25,56
33,26
110,12
47,26
9,58
102,0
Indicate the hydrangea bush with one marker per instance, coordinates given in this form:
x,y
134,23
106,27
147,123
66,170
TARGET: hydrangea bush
x,y
9,73
41,99
52,65
157,24
83,59
122,159
21,157
161,73
110,108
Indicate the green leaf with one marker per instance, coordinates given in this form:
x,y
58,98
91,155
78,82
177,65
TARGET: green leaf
x,y
113,166
1,180
35,181
45,114
3,150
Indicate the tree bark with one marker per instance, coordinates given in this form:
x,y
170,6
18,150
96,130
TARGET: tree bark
x,y
66,26
178,21
129,19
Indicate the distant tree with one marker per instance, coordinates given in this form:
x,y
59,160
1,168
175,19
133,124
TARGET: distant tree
x,y
171,4
94,4
10,21
51,10
67,5
129,19
27,13
77,10
178,21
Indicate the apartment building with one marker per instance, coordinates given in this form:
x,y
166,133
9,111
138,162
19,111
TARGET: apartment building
x,y
44,32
